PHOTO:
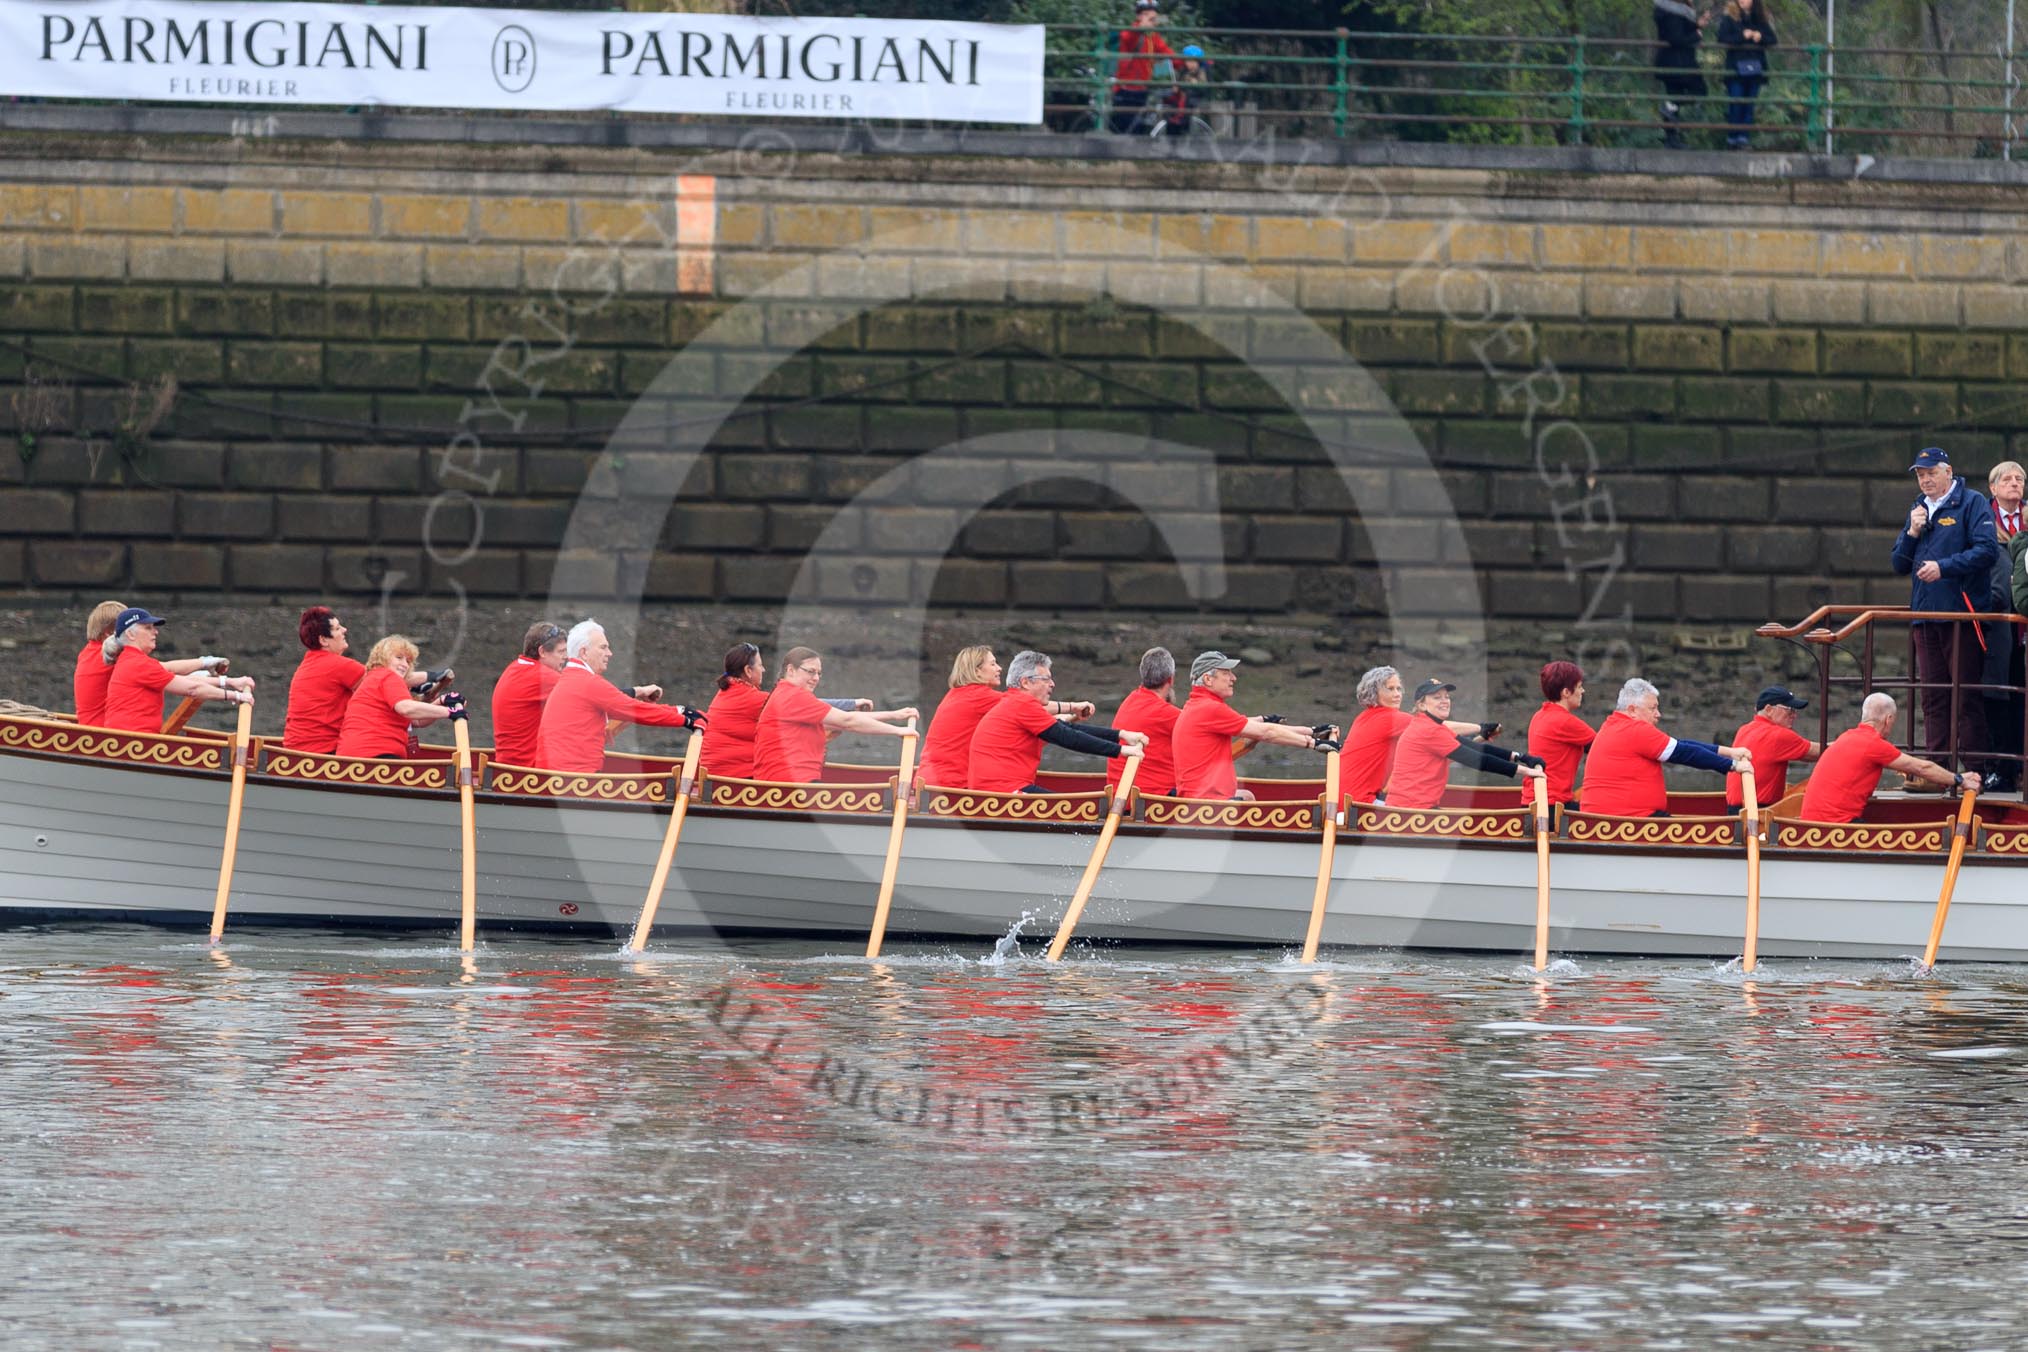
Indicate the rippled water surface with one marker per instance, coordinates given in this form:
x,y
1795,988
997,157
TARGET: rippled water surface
x,y
317,1140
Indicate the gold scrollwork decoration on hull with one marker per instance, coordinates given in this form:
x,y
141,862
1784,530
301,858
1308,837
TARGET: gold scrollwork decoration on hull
x,y
356,770
1700,832
1501,823
2010,840
564,784
1017,807
1878,837
139,748
1267,815
767,796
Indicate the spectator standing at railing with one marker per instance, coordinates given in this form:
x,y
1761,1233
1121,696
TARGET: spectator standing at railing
x,y
1947,548
1140,46
1746,31
1678,28
2005,483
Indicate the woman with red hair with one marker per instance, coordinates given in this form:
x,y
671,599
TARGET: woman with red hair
x,y
323,684
1557,734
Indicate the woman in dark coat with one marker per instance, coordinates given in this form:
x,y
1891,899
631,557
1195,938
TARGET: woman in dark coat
x,y
1746,31
1678,30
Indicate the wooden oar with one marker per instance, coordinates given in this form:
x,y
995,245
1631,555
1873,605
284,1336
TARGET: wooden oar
x,y
468,878
178,720
1961,835
686,781
902,787
1541,873
1322,895
1750,809
1098,859
242,740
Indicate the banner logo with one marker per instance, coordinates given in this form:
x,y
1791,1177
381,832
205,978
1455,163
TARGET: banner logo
x,y
514,58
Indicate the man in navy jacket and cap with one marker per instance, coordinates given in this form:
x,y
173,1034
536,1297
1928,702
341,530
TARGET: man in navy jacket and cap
x,y
1948,546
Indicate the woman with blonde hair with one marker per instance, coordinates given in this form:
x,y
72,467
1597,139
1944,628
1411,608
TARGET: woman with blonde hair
x,y
975,688
380,718
94,673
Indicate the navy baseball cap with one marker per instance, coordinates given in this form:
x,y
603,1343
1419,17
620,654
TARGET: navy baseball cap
x,y
1929,457
1782,695
1428,688
132,616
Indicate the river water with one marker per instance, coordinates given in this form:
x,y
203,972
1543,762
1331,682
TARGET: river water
x,y
317,1140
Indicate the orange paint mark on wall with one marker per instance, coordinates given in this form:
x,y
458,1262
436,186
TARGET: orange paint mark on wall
x,y
696,233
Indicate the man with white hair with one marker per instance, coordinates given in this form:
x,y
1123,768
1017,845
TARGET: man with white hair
x,y
1623,773
1849,770
573,734
1007,744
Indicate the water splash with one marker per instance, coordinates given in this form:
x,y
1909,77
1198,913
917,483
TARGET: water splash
x,y
1007,948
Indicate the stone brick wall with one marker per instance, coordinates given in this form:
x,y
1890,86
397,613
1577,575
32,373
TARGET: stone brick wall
x,y
1687,397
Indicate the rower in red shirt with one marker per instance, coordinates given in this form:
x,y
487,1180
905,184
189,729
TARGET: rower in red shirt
x,y
1772,738
1007,747
573,733
1208,725
735,714
323,683
1623,775
94,669
138,684
974,690
1151,709
1849,770
788,746
1370,741
522,692
1423,755
1556,735
381,714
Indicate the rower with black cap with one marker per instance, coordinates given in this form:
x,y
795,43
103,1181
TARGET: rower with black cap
x,y
1203,736
1423,755
1772,738
135,691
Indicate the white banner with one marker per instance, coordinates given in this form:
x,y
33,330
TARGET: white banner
x,y
402,56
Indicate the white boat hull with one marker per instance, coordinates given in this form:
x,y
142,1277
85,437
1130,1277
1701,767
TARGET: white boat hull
x,y
89,837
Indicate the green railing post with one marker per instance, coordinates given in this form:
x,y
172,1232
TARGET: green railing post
x,y
1815,107
1341,87
1102,81
1577,90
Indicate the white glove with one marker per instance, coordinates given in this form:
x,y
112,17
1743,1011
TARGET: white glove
x,y
211,664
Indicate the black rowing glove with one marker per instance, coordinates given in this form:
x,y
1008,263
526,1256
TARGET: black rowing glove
x,y
455,703
432,677
1488,731
1274,718
1326,744
1524,758
692,718
1324,732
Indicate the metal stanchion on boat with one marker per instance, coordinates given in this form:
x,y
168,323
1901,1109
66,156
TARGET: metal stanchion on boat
x,y
1541,873
903,787
1961,835
468,864
242,741
686,781
1098,859
1322,896
1750,812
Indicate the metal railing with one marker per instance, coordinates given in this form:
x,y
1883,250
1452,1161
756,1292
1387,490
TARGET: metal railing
x,y
1554,90
1815,636
1563,90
